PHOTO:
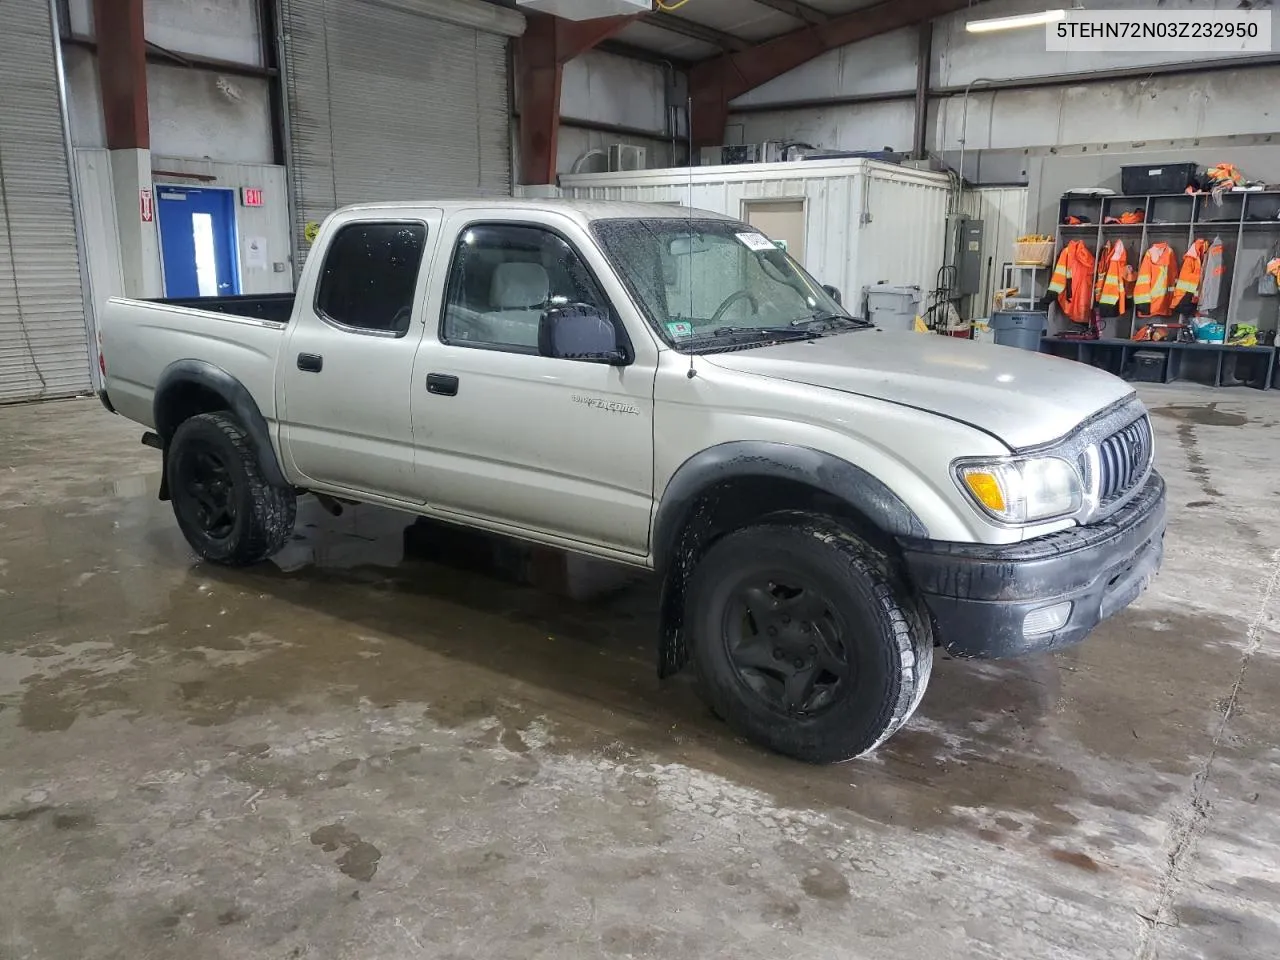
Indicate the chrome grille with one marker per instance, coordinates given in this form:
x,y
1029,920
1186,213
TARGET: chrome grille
x,y
1123,459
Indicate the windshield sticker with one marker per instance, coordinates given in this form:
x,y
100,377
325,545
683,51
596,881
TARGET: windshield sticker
x,y
680,328
755,241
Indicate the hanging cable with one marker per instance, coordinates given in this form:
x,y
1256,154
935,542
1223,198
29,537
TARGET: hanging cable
x,y
668,7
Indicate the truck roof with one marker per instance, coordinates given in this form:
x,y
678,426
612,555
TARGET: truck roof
x,y
584,211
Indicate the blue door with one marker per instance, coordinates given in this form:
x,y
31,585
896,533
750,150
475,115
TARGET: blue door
x,y
198,241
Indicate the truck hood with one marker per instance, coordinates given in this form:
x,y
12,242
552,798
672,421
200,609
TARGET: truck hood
x,y
1021,397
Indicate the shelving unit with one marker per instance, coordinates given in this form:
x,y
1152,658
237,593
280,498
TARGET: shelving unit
x,y
1247,223
1207,363
1027,279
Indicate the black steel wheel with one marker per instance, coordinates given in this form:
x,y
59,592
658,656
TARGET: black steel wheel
x,y
204,484
226,510
805,638
784,641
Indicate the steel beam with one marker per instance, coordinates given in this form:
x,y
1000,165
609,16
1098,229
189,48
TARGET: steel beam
x,y
631,52
547,44
793,8
122,73
696,31
924,64
713,83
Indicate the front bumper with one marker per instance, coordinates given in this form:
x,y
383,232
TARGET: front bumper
x,y
980,595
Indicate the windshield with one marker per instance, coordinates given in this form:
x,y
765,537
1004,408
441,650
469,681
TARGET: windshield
x,y
709,283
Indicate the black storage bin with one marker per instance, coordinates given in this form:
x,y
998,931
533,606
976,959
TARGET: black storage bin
x,y
1145,178
1147,366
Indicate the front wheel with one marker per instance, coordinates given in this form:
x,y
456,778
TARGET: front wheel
x,y
226,510
805,640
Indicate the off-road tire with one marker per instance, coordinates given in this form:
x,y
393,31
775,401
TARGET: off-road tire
x,y
891,643
263,512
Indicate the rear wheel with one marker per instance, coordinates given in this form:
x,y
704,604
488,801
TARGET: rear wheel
x,y
805,639
226,510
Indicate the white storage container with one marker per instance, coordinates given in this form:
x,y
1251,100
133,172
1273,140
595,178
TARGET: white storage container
x,y
853,222
891,306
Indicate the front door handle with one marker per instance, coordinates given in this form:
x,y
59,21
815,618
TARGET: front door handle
x,y
443,384
310,362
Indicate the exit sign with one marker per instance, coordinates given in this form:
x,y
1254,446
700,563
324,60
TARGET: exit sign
x,y
251,196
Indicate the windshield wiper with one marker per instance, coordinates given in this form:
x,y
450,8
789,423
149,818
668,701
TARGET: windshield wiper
x,y
830,319
739,336
759,333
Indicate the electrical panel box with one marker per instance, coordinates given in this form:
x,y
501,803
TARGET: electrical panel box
x,y
968,255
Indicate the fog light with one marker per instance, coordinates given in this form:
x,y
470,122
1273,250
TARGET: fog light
x,y
1046,619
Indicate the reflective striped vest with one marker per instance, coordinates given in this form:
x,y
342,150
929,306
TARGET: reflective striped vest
x,y
1072,281
1187,289
1154,289
1114,274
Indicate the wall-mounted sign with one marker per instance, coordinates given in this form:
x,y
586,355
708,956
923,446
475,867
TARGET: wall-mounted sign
x,y
146,204
251,196
255,253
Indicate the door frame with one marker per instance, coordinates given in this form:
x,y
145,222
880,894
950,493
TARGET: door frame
x,y
744,211
237,278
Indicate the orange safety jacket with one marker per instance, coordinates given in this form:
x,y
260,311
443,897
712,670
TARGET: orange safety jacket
x,y
1190,276
1115,276
1072,281
1154,289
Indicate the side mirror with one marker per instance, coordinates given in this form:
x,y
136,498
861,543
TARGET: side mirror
x,y
833,293
579,331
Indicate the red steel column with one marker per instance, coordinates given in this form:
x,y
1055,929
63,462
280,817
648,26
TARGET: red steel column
x,y
547,45
122,72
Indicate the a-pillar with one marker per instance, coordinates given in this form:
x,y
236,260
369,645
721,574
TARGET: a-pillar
x,y
122,76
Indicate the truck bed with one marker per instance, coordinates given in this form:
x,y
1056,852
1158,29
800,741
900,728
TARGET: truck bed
x,y
239,336
276,307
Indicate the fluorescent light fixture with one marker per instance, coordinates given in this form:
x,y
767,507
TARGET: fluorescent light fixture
x,y
1013,23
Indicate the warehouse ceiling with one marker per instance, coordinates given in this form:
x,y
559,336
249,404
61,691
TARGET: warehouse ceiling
x,y
698,30
701,29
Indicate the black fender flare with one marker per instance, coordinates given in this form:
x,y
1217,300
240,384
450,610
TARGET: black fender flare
x,y
785,461
233,393
676,532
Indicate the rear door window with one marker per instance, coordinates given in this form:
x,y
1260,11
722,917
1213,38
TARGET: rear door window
x,y
369,276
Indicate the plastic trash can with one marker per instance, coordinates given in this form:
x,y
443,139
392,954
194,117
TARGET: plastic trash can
x,y
892,306
1023,330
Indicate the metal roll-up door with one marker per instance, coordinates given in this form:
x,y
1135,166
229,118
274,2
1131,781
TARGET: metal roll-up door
x,y
395,101
43,344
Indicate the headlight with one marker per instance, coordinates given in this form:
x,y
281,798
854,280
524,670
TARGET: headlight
x,y
1024,490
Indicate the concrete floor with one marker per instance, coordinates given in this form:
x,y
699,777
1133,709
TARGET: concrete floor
x,y
351,754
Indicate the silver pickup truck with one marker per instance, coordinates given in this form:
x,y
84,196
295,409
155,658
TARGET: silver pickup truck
x,y
824,501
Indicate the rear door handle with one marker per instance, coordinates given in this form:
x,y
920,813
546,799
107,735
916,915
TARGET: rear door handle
x,y
443,384
310,362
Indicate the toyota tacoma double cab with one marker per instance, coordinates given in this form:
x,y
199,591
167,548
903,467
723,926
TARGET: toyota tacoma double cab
x,y
824,501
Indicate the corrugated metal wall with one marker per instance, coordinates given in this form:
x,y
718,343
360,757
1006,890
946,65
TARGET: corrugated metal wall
x,y
390,103
904,240
98,219
900,239
43,349
1003,212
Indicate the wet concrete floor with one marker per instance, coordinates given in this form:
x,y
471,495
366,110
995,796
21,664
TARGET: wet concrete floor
x,y
349,753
